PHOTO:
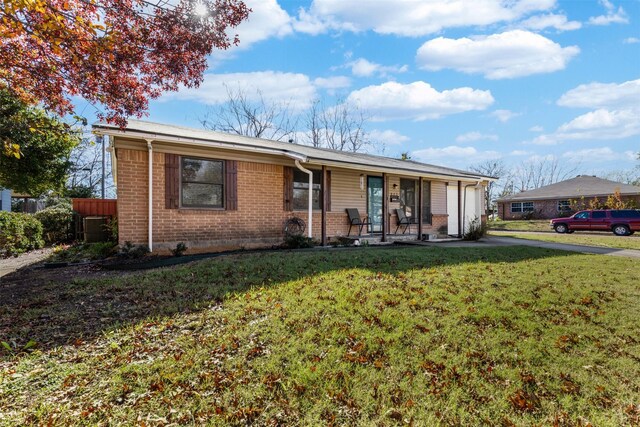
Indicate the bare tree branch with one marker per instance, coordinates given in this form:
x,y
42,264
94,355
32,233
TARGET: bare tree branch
x,y
494,168
258,118
338,127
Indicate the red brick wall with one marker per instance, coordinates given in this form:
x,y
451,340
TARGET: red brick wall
x,y
258,221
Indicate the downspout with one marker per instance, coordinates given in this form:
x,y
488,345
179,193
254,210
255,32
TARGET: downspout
x,y
150,231
310,207
114,162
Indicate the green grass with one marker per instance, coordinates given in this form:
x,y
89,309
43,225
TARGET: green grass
x,y
520,225
605,241
429,336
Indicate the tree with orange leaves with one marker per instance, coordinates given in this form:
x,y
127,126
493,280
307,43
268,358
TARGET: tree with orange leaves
x,y
115,53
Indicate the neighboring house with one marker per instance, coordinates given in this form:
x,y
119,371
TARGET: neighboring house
x,y
552,201
217,191
5,200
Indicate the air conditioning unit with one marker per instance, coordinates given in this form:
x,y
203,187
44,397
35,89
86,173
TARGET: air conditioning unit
x,y
95,229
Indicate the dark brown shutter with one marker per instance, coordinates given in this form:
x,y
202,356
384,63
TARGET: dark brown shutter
x,y
288,188
171,181
231,185
327,197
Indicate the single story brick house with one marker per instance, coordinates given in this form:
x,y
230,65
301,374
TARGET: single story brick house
x,y
213,190
554,200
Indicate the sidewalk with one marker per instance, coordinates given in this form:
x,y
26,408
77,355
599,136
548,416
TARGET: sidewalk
x,y
9,265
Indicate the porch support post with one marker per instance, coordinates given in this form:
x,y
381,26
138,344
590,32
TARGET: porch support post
x,y
459,208
420,208
385,207
324,205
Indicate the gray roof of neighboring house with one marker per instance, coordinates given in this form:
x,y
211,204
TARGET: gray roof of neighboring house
x,y
581,185
139,128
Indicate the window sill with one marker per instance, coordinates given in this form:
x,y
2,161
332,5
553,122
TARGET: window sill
x,y
200,209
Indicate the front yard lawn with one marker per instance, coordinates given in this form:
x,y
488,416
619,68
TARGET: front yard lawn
x,y
520,225
422,336
604,240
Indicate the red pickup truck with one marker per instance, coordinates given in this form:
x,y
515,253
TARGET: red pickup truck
x,y
623,222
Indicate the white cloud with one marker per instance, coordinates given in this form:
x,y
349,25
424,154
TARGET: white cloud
x,y
520,153
476,136
503,115
293,88
536,129
414,17
601,154
550,20
266,19
506,55
613,16
417,101
454,154
388,136
364,68
600,124
336,82
308,23
603,95
631,40
615,115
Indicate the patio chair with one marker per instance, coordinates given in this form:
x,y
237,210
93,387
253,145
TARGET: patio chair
x,y
404,220
355,220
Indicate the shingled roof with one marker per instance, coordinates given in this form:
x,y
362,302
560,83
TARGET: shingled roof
x,y
580,186
180,134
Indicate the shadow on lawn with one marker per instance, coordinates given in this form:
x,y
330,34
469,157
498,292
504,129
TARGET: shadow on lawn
x,y
56,314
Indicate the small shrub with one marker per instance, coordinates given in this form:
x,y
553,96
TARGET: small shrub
x,y
531,215
101,250
179,250
296,241
129,250
19,232
56,223
83,252
476,231
111,227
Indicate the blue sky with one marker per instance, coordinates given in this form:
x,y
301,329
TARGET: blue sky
x,y
452,82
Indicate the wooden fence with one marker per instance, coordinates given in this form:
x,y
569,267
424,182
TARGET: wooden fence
x,y
95,207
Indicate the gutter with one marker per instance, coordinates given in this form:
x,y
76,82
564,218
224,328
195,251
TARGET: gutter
x,y
310,205
114,161
201,143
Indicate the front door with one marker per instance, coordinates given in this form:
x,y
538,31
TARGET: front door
x,y
374,203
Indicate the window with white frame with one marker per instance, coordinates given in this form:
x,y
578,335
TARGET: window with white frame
x,y
564,205
202,183
301,190
517,207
